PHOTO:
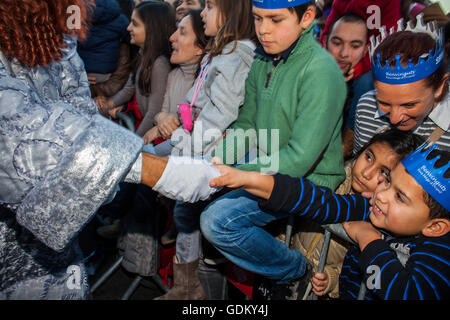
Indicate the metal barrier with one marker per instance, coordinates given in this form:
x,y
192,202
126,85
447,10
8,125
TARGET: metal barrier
x,y
339,231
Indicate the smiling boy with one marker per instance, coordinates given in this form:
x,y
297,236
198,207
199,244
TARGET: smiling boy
x,y
402,238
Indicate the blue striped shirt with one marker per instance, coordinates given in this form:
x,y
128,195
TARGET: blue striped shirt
x,y
410,268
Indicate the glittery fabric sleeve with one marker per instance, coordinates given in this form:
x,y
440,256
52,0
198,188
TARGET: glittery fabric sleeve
x,y
59,160
56,209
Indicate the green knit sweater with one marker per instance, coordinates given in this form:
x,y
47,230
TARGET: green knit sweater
x,y
302,100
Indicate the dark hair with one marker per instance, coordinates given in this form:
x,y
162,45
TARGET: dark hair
x,y
201,40
301,9
412,45
159,21
437,211
237,17
402,142
350,17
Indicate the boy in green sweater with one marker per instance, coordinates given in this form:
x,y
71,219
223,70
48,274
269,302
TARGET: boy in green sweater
x,y
292,118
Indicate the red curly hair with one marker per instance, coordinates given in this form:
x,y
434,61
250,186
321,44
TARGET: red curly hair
x,y
32,30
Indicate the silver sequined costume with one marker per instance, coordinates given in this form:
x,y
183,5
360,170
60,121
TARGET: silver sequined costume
x,y
59,161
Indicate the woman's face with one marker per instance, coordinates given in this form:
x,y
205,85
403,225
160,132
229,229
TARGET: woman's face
x,y
210,15
406,105
374,163
183,43
136,28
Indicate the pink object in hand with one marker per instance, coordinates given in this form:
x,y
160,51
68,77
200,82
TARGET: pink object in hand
x,y
185,112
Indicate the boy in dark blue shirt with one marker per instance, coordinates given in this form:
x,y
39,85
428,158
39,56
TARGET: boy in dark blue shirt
x,y
402,234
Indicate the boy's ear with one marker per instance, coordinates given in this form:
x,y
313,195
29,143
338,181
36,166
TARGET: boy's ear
x,y
436,228
308,17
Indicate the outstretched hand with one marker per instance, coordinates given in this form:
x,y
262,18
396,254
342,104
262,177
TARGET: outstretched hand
x,y
258,184
230,177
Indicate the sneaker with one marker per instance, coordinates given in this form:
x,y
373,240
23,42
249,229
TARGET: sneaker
x,y
294,289
111,231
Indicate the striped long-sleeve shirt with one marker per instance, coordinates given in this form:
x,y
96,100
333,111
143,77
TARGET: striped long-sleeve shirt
x,y
424,274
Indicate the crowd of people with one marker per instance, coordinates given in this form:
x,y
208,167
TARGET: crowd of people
x,y
244,113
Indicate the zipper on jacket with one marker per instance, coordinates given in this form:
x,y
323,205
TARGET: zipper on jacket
x,y
269,75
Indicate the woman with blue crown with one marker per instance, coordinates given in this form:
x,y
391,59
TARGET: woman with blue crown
x,y
411,85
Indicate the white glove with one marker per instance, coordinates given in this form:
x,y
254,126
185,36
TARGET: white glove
x,y
187,179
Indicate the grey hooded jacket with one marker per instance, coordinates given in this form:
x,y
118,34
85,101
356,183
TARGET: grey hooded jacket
x,y
218,100
59,161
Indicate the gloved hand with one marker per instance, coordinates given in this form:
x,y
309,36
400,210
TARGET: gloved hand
x,y
187,179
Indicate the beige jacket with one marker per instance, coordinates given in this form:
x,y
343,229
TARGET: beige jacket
x,y
307,237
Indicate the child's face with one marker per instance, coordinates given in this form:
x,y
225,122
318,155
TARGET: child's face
x,y
398,205
210,15
374,163
277,29
136,28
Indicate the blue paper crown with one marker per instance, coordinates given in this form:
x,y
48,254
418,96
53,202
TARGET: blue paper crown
x,y
430,178
427,64
278,4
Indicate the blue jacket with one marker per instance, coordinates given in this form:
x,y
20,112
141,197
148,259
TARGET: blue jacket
x,y
100,52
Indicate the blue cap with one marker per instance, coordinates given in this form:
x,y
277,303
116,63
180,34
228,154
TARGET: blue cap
x,y
430,178
278,4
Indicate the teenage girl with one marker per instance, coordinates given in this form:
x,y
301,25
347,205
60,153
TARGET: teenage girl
x,y
148,81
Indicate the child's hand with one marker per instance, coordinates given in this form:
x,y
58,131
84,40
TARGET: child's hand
x,y
319,283
361,232
231,177
256,183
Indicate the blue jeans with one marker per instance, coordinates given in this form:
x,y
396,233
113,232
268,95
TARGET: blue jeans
x,y
233,224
